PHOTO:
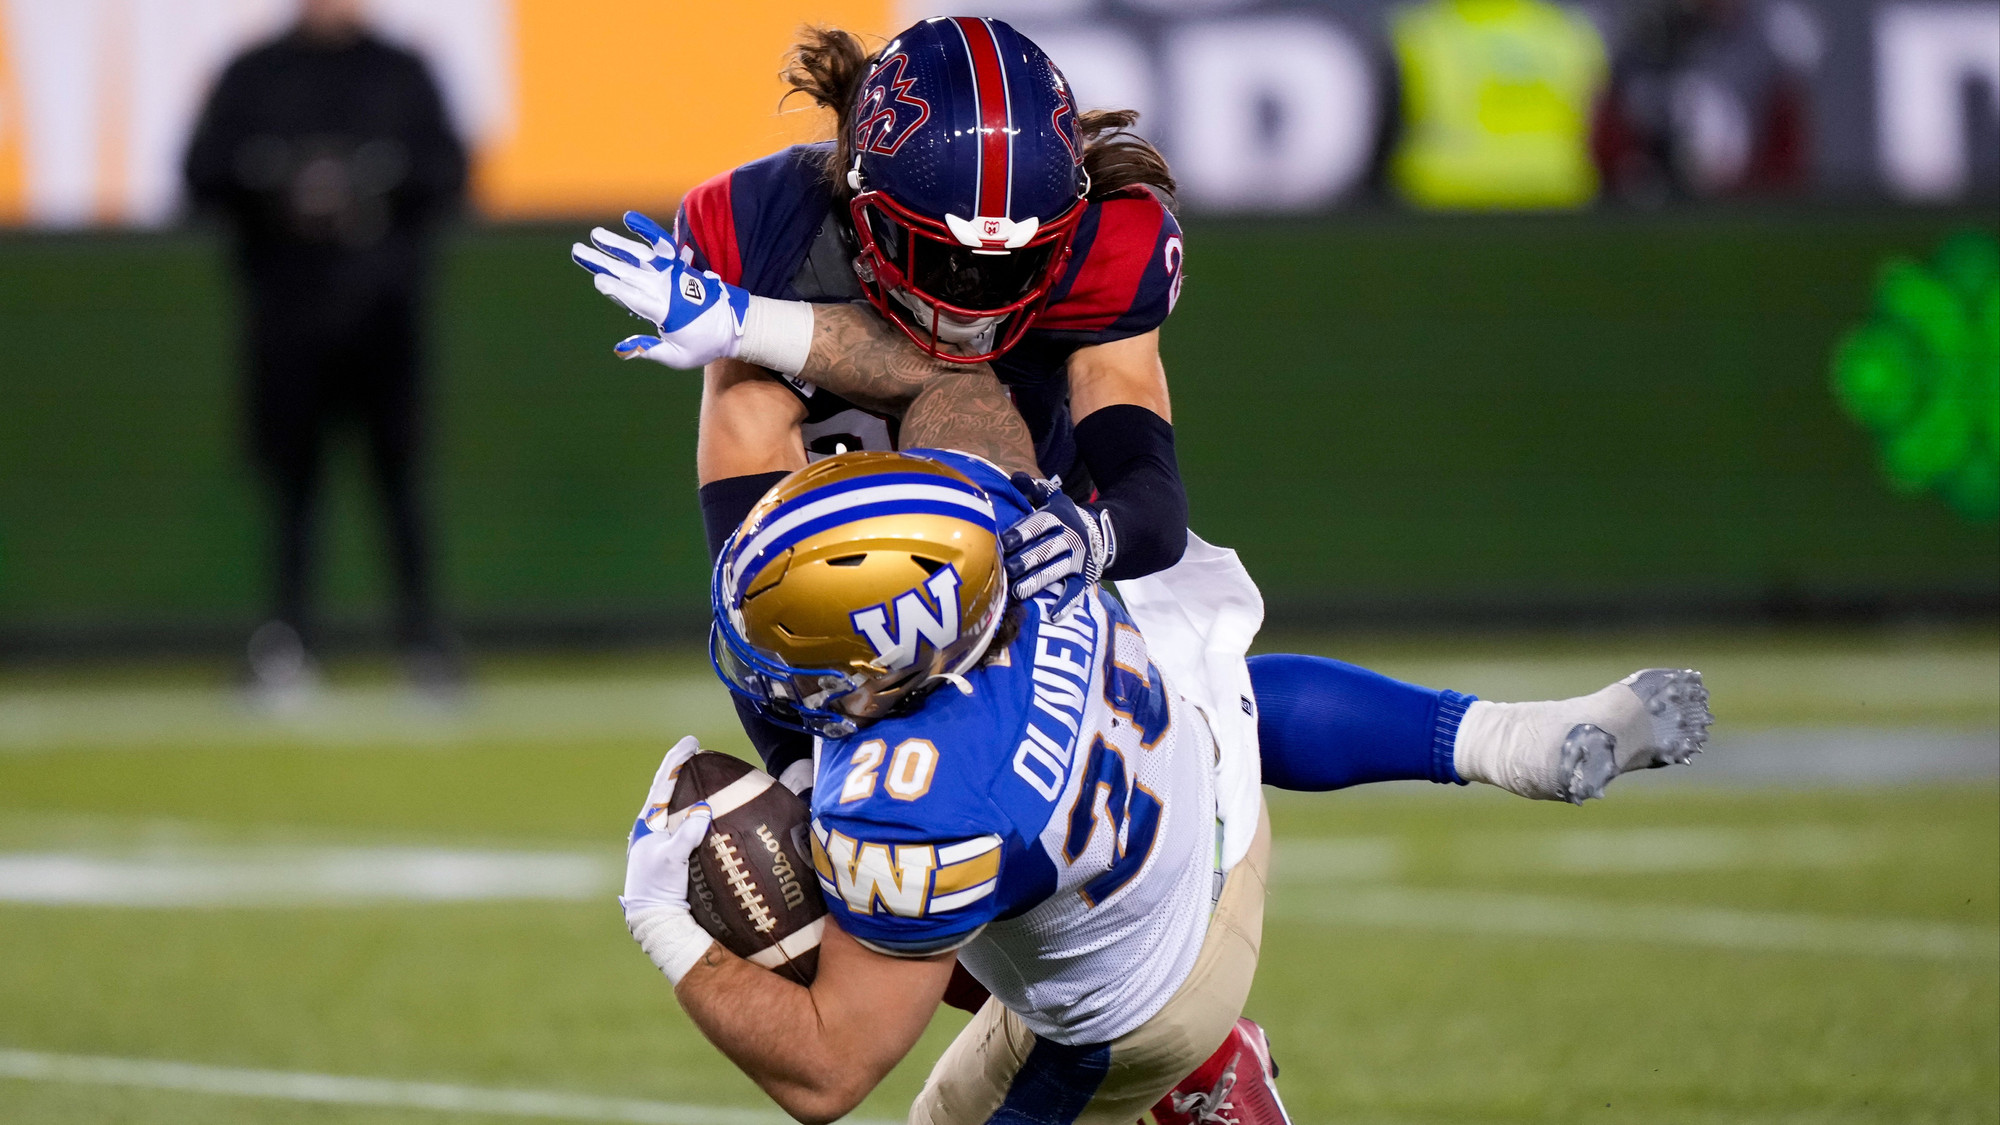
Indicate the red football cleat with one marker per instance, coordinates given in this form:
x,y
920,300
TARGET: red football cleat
x,y
1236,1086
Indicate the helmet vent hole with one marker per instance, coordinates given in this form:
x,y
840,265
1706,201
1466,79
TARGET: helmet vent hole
x,y
931,566
847,560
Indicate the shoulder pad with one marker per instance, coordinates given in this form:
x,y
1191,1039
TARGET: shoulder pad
x,y
1124,274
754,224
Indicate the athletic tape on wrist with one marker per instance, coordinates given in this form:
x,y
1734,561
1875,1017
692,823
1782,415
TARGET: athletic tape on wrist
x,y
671,937
777,334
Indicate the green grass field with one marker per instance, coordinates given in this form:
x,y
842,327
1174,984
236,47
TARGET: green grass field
x,y
1682,952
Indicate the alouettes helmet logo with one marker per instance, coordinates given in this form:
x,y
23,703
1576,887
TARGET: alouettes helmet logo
x,y
888,113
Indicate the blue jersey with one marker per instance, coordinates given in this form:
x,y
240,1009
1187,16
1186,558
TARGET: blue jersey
x,y
771,227
1054,822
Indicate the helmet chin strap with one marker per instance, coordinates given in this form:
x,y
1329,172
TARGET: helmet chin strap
x,y
950,329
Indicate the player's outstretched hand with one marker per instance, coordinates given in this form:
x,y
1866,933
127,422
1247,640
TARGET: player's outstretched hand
x,y
656,871
699,316
1059,546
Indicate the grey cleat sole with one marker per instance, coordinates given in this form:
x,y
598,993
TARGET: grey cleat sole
x,y
1677,705
1589,762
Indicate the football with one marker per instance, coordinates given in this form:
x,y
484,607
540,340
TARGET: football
x,y
750,882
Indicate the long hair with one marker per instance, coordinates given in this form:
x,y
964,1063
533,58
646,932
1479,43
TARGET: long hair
x,y
828,65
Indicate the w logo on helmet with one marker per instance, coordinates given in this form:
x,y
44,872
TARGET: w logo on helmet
x,y
916,619
888,112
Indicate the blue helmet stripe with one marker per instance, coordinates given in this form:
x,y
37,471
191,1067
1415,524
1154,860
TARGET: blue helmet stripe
x,y
855,484
817,499
850,505
807,530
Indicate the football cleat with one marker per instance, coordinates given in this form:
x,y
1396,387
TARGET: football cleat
x,y
1571,749
1238,1085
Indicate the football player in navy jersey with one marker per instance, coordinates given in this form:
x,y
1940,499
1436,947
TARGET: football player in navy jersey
x,y
966,222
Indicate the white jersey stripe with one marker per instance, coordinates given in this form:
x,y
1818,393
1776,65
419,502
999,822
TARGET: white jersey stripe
x,y
966,849
970,895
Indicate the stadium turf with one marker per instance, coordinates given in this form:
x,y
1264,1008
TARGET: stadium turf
x,y
1680,953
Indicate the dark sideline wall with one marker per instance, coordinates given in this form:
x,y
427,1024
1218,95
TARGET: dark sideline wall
x,y
1385,415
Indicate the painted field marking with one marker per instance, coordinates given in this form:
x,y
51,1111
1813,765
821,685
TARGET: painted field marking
x,y
280,876
332,1089
1328,881
346,717
1508,915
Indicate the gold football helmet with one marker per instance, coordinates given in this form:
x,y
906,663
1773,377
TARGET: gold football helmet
x,y
854,585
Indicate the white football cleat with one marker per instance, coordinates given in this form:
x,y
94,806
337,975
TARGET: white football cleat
x,y
1570,749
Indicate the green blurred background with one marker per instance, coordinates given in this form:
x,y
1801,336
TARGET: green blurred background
x,y
1390,416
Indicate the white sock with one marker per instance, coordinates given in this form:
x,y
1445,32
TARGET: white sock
x,y
1519,746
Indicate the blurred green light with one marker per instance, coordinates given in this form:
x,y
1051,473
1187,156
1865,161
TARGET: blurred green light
x,y
1923,374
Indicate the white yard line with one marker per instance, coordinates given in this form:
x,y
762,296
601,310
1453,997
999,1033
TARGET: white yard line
x,y
1506,915
333,1089
1336,881
282,876
362,717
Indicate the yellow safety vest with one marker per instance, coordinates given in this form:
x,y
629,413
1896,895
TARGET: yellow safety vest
x,y
1497,98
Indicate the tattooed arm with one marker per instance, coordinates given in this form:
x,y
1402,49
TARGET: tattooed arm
x,y
968,410
869,362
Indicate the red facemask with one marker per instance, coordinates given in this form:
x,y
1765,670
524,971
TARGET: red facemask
x,y
903,253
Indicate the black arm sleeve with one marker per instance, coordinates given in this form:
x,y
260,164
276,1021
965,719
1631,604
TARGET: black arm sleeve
x,y
724,503
1129,451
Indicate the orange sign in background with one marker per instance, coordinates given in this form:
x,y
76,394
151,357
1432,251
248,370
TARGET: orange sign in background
x,y
623,103
570,106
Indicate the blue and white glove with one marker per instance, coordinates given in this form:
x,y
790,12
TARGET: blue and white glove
x,y
700,318
656,872
1059,546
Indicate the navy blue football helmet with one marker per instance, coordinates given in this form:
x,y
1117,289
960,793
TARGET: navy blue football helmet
x,y
968,179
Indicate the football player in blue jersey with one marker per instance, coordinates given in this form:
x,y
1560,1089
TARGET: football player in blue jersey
x,y
1063,799
968,221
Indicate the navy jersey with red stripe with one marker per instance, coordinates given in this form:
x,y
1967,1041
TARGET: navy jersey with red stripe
x,y
771,226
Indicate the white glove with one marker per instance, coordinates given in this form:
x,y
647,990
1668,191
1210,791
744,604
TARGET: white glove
x,y
656,872
700,317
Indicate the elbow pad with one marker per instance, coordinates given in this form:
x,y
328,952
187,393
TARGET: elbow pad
x,y
1129,451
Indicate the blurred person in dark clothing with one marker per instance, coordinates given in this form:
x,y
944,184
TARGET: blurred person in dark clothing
x,y
1708,99
328,154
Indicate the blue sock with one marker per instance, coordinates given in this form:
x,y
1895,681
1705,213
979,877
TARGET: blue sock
x,y
1324,724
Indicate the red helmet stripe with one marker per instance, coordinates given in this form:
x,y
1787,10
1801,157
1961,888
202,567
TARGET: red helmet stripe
x,y
990,81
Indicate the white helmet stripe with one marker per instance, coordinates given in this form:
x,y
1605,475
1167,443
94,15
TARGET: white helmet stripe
x,y
778,528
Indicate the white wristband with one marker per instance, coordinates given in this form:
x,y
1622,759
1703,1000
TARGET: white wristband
x,y
671,937
777,334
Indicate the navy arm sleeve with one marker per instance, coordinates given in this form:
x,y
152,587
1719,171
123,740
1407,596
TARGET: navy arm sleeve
x,y
1129,451
724,504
